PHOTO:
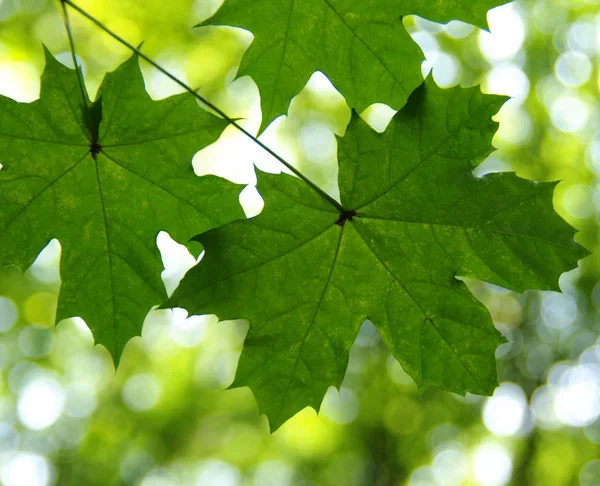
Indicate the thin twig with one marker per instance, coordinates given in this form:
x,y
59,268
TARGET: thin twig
x,y
78,70
232,121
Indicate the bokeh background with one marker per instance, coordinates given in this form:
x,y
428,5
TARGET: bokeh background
x,y
165,417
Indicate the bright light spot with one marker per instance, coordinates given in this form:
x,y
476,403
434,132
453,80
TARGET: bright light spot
x,y
24,469
66,59
582,37
450,466
428,44
251,201
317,141
283,141
558,370
40,403
176,258
447,70
579,201
36,342
81,400
378,116
493,164
160,86
569,113
504,412
45,268
577,400
141,392
509,80
19,81
155,330
515,123
459,30
244,94
589,356
273,473
428,25
231,157
340,407
189,331
573,68
426,67
506,36
559,311
492,465
368,336
217,473
320,83
8,314
320,101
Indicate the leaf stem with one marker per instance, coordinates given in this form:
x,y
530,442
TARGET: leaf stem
x,y
217,110
84,95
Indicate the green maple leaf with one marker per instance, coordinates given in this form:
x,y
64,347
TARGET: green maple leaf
x,y
415,218
361,45
105,182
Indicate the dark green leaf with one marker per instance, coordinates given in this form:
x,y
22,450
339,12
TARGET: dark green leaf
x,y
105,207
307,277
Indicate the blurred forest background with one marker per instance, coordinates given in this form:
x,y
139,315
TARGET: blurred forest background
x,y
165,418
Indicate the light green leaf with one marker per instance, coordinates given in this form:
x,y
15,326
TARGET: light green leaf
x,y
106,208
361,45
415,218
